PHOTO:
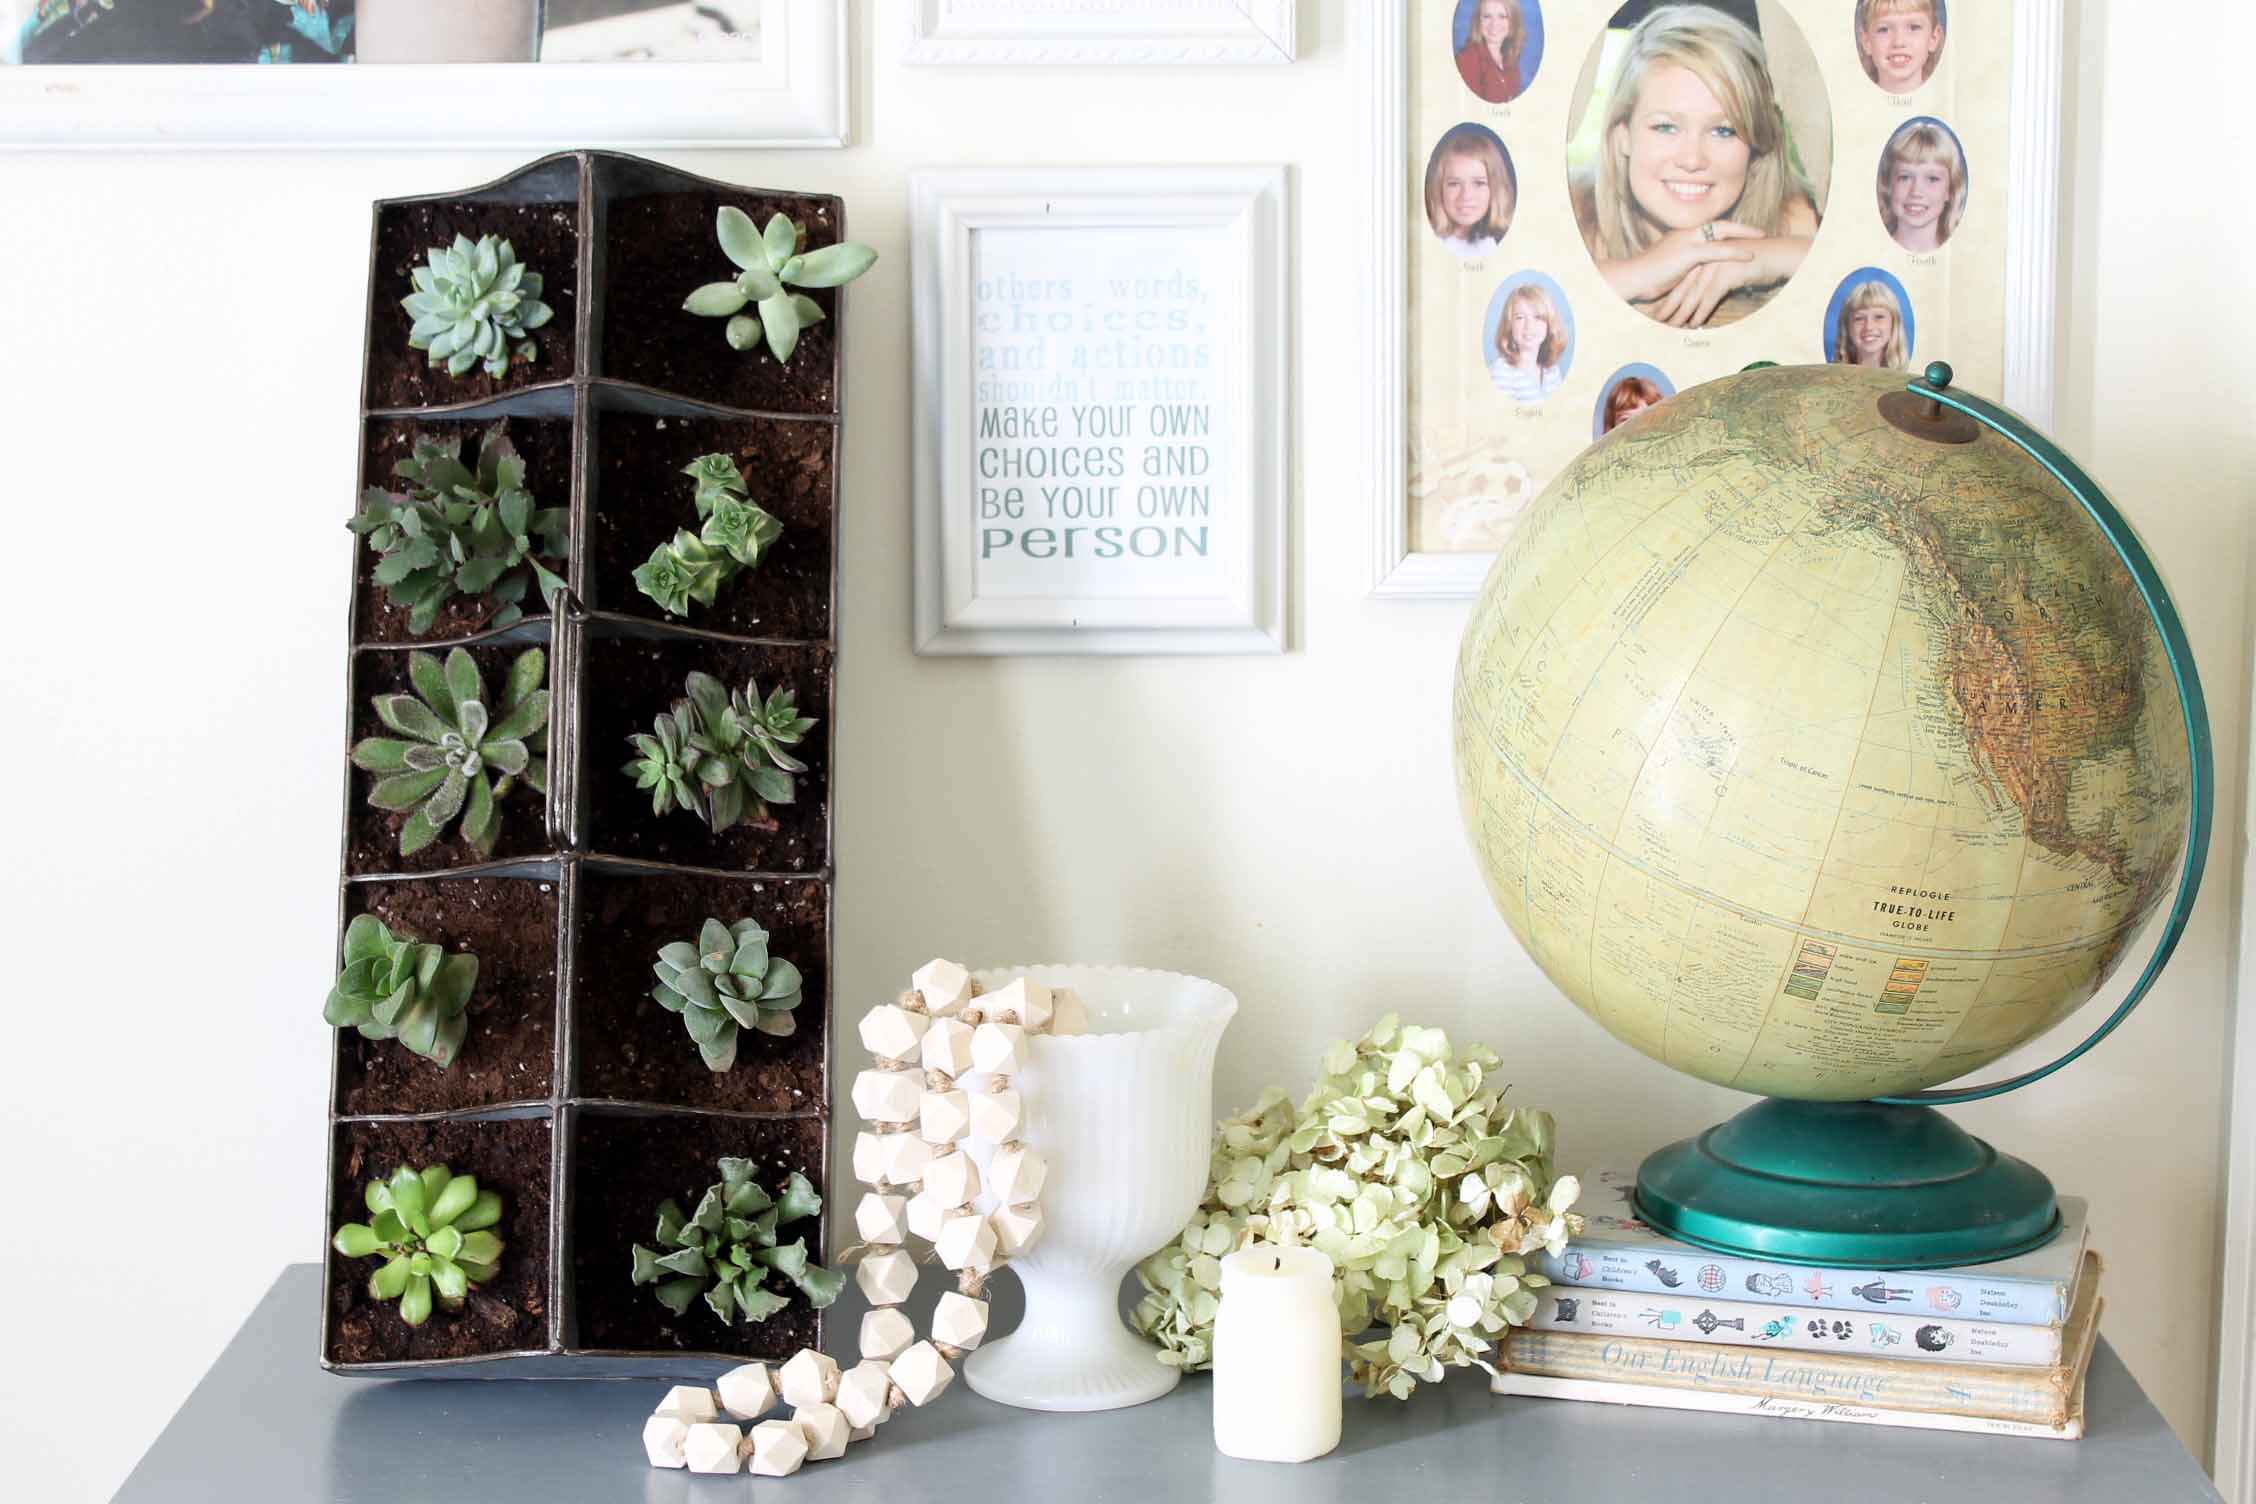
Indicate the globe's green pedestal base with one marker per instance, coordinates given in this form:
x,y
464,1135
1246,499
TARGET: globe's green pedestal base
x,y
1847,1185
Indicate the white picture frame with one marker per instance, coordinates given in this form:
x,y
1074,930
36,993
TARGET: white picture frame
x,y
1101,31
794,96
1382,62
1228,220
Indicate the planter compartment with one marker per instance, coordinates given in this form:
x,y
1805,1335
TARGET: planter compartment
x,y
655,245
513,925
512,1315
372,834
545,444
538,210
629,1049
620,1163
630,672
638,498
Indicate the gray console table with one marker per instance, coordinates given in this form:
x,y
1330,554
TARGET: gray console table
x,y
267,1424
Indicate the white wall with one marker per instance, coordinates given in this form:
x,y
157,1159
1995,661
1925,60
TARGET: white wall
x,y
179,345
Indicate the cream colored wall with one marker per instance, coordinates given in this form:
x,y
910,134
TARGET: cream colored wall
x,y
179,345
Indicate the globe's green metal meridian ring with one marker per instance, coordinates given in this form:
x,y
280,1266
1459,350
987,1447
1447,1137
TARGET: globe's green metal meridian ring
x,y
2200,758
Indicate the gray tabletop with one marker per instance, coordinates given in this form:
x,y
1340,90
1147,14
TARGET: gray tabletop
x,y
267,1424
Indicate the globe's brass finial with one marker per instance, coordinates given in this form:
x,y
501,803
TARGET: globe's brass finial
x,y
1919,410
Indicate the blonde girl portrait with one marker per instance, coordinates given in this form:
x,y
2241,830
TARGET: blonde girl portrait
x,y
1495,42
1922,184
1532,342
1470,190
1870,329
1899,41
1694,209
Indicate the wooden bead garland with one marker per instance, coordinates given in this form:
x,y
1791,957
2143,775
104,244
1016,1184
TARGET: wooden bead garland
x,y
922,1182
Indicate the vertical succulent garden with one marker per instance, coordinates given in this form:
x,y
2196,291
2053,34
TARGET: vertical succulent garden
x,y
583,959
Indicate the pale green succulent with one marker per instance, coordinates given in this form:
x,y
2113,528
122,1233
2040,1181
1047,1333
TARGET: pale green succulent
x,y
471,302
725,979
1405,1167
431,1229
769,264
737,534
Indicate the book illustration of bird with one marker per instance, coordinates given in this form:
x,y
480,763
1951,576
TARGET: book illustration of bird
x,y
1769,1284
1932,1339
1664,1273
1773,1329
1816,1288
1942,1298
1707,1321
1566,1309
1884,1335
1879,1293
1665,1320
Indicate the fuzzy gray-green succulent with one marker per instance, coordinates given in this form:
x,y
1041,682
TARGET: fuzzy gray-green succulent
x,y
725,1250
459,530
471,302
396,987
725,980
720,753
736,535
431,1229
769,264
455,745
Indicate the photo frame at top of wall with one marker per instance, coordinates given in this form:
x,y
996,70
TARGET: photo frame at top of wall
x,y
1100,31
92,74
1555,244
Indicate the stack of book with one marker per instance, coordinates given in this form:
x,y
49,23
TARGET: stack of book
x,y
1634,1318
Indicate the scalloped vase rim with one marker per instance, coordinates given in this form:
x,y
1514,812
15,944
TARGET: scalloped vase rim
x,y
1202,1005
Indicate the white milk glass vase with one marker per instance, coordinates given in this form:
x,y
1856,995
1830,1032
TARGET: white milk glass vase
x,y
1123,1114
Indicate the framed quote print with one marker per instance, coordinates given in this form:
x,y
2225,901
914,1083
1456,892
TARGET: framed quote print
x,y
1099,409
1583,207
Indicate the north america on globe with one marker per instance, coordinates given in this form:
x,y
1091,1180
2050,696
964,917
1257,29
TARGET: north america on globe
x,y
1814,758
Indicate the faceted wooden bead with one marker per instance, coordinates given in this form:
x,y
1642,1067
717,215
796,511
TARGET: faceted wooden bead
x,y
922,1374
886,1334
925,1216
996,1116
886,1279
662,1438
906,1155
1016,1174
826,1427
1021,1001
714,1447
870,1156
947,1047
1068,1014
959,1321
943,1116
862,1392
808,1378
999,1049
891,1032
1017,1229
951,1179
689,1403
747,1392
944,986
879,1219
778,1447
888,1096
861,1433
966,1241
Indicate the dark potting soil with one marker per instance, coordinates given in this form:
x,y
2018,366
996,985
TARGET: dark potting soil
x,y
545,445
374,842
662,247
642,498
630,681
631,1049
622,1167
507,1315
545,238
510,925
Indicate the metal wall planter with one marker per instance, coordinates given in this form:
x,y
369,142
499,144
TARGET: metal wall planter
x,y
597,414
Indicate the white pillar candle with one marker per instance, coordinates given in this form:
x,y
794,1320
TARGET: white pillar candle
x,y
1276,1356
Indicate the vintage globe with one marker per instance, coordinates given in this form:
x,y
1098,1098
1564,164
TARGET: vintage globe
x,y
1815,754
